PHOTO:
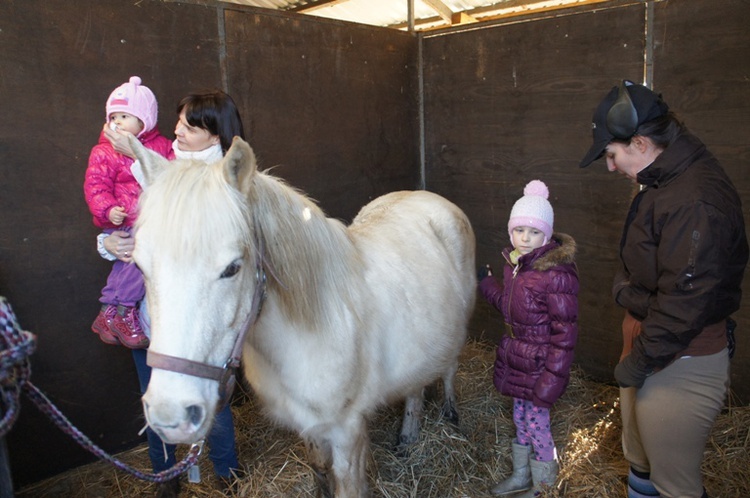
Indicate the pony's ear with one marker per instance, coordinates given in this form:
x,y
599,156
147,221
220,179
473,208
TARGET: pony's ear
x,y
151,163
240,164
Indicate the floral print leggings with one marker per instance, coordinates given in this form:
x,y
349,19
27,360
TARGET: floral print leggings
x,y
533,427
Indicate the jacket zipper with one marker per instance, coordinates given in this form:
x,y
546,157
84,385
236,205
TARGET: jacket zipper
x,y
508,326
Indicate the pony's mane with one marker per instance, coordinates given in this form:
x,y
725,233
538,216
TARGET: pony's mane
x,y
194,206
311,255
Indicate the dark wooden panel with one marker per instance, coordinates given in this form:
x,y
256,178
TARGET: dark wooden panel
x,y
331,104
702,68
60,61
513,103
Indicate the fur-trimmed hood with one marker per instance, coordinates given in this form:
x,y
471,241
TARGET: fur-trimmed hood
x,y
559,251
563,254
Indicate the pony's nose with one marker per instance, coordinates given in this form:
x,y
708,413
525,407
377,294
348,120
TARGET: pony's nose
x,y
195,414
176,424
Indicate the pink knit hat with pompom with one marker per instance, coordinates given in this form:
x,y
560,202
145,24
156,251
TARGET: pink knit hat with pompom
x,y
533,210
135,99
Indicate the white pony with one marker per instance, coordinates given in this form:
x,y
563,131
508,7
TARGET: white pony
x,y
352,317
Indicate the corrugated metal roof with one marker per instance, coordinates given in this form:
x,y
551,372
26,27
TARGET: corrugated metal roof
x,y
428,14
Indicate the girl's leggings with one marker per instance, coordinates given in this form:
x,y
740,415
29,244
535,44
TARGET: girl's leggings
x,y
533,427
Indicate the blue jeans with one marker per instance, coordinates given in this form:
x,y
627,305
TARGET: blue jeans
x,y
221,448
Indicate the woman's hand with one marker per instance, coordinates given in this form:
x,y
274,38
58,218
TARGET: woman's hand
x,y
119,140
121,245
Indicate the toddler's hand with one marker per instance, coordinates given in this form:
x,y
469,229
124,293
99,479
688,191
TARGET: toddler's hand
x,y
117,215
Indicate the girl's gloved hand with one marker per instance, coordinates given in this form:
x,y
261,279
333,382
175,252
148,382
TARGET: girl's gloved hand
x,y
484,272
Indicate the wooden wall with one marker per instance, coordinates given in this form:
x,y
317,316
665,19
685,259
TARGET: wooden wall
x,y
335,107
330,103
512,103
524,113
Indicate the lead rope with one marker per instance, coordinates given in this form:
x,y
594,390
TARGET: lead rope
x,y
16,346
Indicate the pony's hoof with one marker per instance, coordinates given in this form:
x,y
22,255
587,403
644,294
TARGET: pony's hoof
x,y
402,451
450,415
403,446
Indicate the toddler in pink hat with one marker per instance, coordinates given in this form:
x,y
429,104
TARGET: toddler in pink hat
x,y
111,191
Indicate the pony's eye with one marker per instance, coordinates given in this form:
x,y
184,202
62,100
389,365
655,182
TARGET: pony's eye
x,y
232,269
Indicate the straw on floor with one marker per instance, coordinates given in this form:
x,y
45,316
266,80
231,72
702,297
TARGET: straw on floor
x,y
448,461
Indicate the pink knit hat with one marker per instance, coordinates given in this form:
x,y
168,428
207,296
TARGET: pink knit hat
x,y
135,99
533,210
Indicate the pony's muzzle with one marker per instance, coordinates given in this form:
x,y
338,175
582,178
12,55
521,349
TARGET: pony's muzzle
x,y
175,424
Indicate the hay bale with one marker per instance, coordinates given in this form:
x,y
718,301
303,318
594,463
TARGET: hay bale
x,y
447,461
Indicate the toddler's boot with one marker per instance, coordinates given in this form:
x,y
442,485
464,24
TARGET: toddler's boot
x,y
543,474
103,322
520,479
127,327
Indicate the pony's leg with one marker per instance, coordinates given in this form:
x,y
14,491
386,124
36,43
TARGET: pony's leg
x,y
320,457
413,408
449,411
351,449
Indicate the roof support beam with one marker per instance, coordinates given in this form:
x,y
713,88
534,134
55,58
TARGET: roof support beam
x,y
438,6
315,5
462,18
507,9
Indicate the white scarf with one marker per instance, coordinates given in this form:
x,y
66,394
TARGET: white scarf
x,y
209,155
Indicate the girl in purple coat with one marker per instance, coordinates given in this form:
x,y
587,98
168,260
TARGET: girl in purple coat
x,y
539,301
112,189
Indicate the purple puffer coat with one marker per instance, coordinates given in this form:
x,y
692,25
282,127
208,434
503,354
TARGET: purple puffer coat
x,y
109,181
539,301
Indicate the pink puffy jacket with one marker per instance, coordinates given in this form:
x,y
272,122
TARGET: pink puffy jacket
x,y
109,182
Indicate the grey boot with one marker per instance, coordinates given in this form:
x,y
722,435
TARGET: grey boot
x,y
543,474
520,479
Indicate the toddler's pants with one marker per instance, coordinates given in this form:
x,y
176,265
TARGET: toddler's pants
x,y
125,284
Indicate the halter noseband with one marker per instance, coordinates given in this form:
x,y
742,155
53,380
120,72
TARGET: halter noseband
x,y
225,375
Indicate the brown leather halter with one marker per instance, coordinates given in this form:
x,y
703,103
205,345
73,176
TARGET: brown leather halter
x,y
225,375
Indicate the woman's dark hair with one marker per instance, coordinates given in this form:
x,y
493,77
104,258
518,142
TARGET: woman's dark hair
x,y
215,112
663,131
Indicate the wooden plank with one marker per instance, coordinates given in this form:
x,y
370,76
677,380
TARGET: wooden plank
x,y
60,61
511,9
328,100
443,10
316,5
462,18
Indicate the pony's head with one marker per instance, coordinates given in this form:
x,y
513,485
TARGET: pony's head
x,y
196,249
